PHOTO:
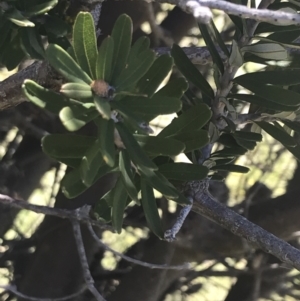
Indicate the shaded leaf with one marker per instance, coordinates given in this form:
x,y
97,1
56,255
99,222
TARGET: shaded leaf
x,y
190,71
17,17
175,88
229,152
150,209
104,59
231,168
72,185
142,44
40,9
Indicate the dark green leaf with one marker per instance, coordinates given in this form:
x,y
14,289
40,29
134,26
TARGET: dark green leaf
x,y
102,211
224,161
174,88
183,171
17,17
190,71
66,65
85,43
277,133
285,77
121,35
246,143
211,46
127,175
294,125
104,59
150,209
220,39
71,162
192,139
272,93
40,9
77,90
106,140
147,108
231,168
229,152
103,107
32,43
263,102
190,120
119,205
142,44
66,145
43,97
74,118
159,70
134,70
137,155
248,136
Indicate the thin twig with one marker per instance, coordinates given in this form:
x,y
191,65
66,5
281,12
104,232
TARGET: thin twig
x,y
13,289
89,281
185,266
62,213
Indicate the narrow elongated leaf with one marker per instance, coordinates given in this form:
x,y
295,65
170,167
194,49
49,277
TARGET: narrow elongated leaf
x,y
272,93
106,140
17,17
211,46
263,102
102,211
32,42
159,70
121,34
231,168
66,145
119,205
134,70
294,125
248,136
277,133
284,77
160,183
90,164
220,39
102,106
160,146
104,59
74,118
85,43
246,143
142,44
77,90
183,171
43,97
66,65
127,175
147,108
174,88
190,71
40,9
190,120
137,155
229,152
150,209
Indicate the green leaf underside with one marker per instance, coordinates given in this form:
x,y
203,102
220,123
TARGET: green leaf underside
x,y
104,59
85,43
43,97
190,71
263,102
272,93
192,139
147,108
119,196
159,70
277,133
74,118
66,145
102,106
106,140
192,119
183,171
127,175
160,146
150,209
231,168
137,155
65,65
121,35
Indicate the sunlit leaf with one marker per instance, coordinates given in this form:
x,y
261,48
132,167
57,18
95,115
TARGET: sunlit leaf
x,y
76,90
102,106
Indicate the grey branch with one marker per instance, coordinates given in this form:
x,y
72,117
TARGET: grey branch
x,y
205,205
185,266
261,15
62,213
13,289
89,281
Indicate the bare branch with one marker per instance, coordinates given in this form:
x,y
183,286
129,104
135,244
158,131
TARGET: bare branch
x,y
261,15
185,266
83,259
62,213
13,289
205,205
